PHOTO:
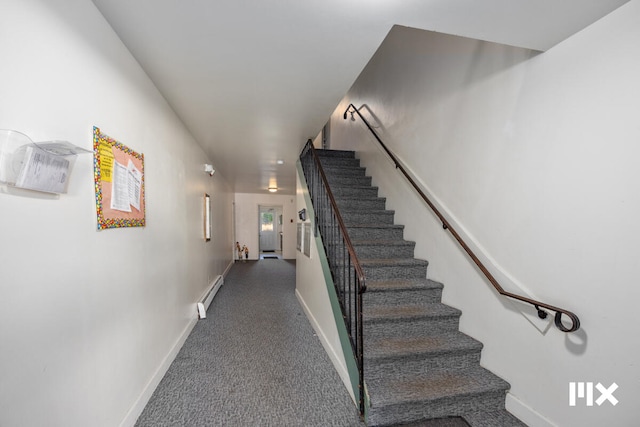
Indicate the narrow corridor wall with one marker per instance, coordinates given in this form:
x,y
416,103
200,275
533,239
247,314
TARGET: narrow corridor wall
x,y
89,319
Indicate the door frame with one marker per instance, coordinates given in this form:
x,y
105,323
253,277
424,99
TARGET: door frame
x,y
277,224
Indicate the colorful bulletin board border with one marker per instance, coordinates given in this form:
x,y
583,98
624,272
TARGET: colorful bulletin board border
x,y
108,155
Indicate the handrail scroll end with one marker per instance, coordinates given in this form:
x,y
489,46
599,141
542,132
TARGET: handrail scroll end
x,y
575,322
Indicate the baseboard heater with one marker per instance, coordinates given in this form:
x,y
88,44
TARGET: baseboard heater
x,y
205,302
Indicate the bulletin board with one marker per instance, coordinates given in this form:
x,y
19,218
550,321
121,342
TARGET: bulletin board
x,y
119,183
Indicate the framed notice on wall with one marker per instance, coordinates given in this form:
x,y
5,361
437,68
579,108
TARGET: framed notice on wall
x,y
119,183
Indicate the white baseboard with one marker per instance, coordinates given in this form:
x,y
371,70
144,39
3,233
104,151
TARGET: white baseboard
x,y
336,359
525,413
137,408
226,270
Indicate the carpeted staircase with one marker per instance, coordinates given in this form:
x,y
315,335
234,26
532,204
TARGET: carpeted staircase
x,y
420,370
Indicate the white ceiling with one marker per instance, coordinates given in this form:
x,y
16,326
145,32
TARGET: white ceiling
x,y
254,79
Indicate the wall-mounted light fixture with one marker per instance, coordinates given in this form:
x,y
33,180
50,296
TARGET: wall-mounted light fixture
x,y
272,189
209,169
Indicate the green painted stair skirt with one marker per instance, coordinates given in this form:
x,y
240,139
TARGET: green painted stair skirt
x,y
345,343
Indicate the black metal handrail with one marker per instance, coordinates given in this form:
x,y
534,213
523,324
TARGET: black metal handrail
x,y
348,275
575,325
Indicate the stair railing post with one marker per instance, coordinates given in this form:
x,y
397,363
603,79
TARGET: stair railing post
x,y
345,268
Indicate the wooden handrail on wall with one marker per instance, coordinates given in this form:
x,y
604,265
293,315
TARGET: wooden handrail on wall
x,y
575,322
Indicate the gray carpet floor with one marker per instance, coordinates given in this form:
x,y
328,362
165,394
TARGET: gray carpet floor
x,y
254,361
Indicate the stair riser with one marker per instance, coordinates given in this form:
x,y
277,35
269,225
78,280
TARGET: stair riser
x,y
410,367
339,162
493,418
335,171
390,252
413,328
352,217
346,181
325,154
416,411
355,218
355,192
420,296
373,233
375,203
395,272
381,251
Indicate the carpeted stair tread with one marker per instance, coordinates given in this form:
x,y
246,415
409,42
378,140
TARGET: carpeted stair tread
x,y
382,248
395,285
336,181
438,422
371,216
366,202
393,262
408,312
337,157
394,268
398,291
357,187
355,191
434,386
394,347
343,199
501,418
336,153
382,242
340,161
337,170
420,370
393,226
375,231
347,210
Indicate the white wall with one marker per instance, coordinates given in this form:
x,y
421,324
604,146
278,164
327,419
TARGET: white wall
x,y
247,220
312,292
536,157
89,319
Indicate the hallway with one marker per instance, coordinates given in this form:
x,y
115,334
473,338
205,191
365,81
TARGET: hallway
x,y
254,361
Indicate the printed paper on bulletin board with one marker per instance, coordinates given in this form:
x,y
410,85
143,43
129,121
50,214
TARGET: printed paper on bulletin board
x,y
119,183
